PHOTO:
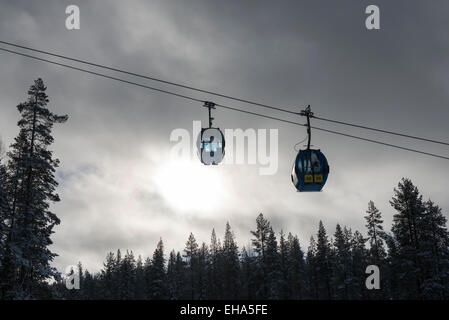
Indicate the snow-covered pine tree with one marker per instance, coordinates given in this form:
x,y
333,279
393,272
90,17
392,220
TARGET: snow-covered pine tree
x,y
323,263
342,275
434,251
247,275
260,243
176,276
351,278
4,205
4,216
181,277
147,278
375,233
230,265
90,288
408,203
171,276
13,256
284,250
32,166
312,272
376,253
139,290
215,273
127,276
272,266
296,269
118,289
157,273
203,268
191,255
108,277
359,264
392,266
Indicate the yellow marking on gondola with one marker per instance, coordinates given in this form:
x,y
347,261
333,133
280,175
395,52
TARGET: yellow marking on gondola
x,y
318,178
308,178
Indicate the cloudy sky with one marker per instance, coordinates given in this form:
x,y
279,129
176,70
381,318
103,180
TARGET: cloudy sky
x,y
119,185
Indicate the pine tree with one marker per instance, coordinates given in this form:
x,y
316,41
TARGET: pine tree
x,y
392,274
32,168
140,280
147,276
377,254
247,275
4,205
296,269
157,271
191,255
359,264
272,266
108,277
215,273
408,203
230,265
260,243
171,276
127,276
12,254
182,276
4,215
176,277
284,251
203,269
434,254
89,288
342,275
312,272
118,279
375,233
323,263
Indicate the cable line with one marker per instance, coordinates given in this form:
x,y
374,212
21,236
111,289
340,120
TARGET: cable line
x,y
102,75
221,105
382,143
380,130
218,94
150,78
337,133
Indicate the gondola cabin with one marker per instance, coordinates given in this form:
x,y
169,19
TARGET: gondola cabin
x,y
310,170
211,146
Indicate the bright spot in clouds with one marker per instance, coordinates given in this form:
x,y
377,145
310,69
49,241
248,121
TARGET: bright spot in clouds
x,y
188,185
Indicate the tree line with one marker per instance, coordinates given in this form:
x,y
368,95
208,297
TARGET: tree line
x,y
413,257
413,260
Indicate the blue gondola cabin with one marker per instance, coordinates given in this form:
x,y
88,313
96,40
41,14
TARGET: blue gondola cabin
x,y
310,171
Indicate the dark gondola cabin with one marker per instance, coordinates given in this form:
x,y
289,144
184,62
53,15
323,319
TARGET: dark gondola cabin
x,y
211,146
211,141
310,170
